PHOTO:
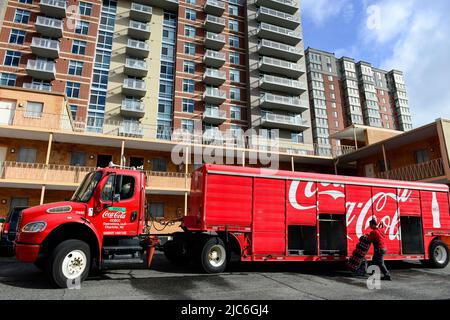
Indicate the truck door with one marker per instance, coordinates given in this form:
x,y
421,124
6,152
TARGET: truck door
x,y
119,205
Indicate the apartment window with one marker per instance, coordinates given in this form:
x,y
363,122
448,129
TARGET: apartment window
x,y
100,79
235,58
22,16
159,165
34,109
235,75
191,14
421,156
233,25
8,79
235,113
12,58
188,105
234,41
189,67
189,31
85,8
73,111
78,158
233,10
79,47
167,69
157,209
27,155
82,27
105,40
75,68
73,89
188,85
17,36
189,48
187,125
26,1
235,94
297,137
191,1
333,105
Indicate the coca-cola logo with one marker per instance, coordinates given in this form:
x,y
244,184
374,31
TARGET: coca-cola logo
x,y
311,191
114,215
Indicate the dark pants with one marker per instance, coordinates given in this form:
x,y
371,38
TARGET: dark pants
x,y
378,260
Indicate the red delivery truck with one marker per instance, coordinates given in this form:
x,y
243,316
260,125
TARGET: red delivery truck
x,y
260,214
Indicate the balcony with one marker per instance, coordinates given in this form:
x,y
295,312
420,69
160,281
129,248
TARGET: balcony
x,y
214,59
272,83
45,47
138,49
215,7
140,12
214,96
171,5
214,41
70,177
214,116
135,68
49,27
214,24
37,86
131,129
289,6
214,77
278,18
40,69
134,88
53,8
279,121
279,50
132,108
281,67
271,32
417,172
138,30
286,103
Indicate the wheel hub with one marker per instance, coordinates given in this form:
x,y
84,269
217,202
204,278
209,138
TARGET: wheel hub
x,y
74,264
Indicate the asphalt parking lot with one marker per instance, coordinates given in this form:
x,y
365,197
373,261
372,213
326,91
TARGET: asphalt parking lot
x,y
241,281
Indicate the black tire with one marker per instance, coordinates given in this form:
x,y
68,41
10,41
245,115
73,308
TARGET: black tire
x,y
439,255
214,245
40,264
54,266
173,251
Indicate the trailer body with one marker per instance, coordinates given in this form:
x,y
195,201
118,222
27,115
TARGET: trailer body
x,y
287,216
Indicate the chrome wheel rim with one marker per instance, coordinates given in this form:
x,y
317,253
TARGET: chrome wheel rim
x,y
216,255
440,255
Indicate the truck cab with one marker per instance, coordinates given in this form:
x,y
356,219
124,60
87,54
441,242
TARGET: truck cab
x,y
103,221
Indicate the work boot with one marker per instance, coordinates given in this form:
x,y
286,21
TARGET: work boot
x,y
386,278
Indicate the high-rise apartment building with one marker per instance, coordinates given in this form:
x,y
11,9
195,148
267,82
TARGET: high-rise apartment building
x,y
343,92
146,68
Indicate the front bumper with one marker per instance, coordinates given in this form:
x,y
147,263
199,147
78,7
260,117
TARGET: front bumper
x,y
27,252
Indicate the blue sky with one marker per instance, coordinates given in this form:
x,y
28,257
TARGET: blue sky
x,y
409,35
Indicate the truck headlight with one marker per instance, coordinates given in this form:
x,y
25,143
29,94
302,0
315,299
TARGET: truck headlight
x,y
34,227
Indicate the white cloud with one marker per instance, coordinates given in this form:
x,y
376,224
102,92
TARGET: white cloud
x,y
321,10
415,36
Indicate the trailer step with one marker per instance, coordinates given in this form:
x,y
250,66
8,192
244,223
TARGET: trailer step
x,y
116,262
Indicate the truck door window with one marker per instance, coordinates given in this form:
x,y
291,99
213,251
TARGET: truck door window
x,y
124,188
107,192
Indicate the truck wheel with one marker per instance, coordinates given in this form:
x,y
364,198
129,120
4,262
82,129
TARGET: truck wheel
x,y
213,256
173,251
439,255
69,263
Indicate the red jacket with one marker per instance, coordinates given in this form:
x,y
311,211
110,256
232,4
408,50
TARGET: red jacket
x,y
377,238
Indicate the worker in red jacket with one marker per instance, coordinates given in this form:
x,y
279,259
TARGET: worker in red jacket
x,y
376,237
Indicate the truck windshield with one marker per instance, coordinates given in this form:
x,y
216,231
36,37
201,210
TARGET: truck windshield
x,y
86,189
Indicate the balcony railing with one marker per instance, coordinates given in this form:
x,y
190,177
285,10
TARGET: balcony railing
x,y
284,119
72,176
54,8
214,77
282,67
136,48
135,67
277,17
214,24
214,58
41,69
268,82
49,27
417,172
214,95
214,7
139,30
45,47
214,41
132,108
141,12
289,6
276,33
281,50
134,87
289,103
37,86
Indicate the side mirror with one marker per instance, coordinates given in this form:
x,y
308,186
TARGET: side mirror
x,y
116,198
